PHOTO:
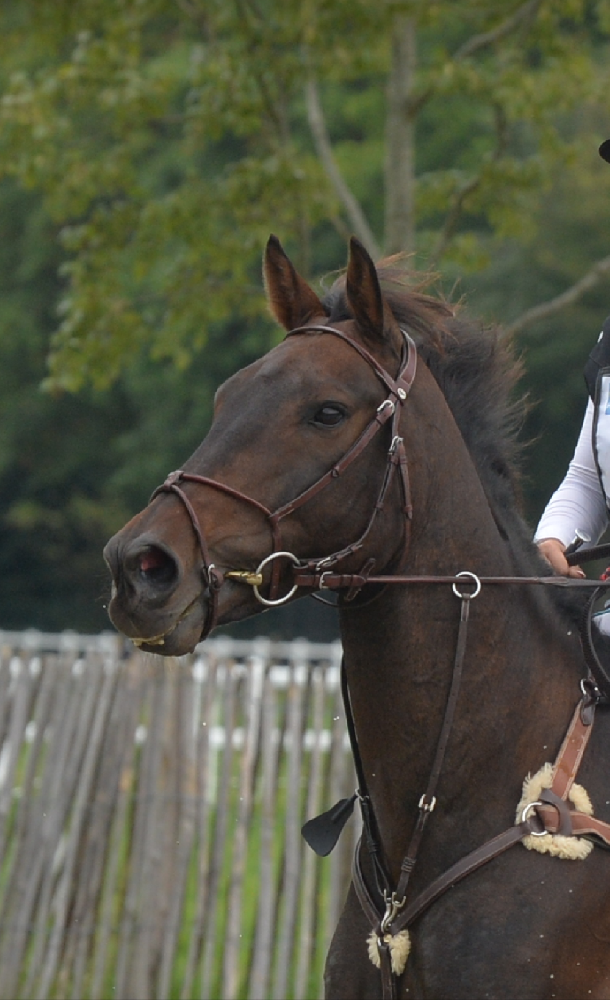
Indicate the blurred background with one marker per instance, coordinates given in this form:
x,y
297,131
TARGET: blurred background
x,y
147,150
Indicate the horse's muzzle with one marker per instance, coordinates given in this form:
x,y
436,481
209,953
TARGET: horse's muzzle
x,y
149,603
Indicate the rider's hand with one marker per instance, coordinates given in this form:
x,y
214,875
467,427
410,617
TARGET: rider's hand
x,y
553,551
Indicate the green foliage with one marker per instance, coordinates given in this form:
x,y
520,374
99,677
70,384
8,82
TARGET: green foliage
x,y
169,138
73,468
162,163
52,451
148,147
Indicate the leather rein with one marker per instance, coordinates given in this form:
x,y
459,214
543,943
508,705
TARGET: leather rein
x,y
385,904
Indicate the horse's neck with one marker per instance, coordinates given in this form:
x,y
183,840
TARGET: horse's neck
x,y
399,654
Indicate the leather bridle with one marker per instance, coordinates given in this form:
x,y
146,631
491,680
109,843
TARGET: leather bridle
x,y
388,412
322,573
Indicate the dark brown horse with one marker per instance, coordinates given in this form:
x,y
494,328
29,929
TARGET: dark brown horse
x,y
333,449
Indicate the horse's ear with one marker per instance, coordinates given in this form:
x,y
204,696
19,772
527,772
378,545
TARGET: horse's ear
x,y
364,293
292,301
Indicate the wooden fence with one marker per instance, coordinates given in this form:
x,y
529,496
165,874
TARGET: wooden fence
x,y
150,815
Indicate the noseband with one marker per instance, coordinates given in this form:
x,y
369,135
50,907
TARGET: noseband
x,y
389,411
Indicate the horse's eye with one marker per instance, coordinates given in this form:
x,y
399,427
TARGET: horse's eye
x,y
329,415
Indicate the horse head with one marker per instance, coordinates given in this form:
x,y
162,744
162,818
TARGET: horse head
x,y
292,463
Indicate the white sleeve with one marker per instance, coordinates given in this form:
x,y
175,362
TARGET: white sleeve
x,y
579,503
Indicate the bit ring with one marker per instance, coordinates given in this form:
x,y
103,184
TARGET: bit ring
x,y
259,570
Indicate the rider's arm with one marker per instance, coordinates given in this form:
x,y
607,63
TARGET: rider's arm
x,y
577,505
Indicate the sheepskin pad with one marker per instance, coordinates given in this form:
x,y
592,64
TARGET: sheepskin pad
x,y
570,848
400,946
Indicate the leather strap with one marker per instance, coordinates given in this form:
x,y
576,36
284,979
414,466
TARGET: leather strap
x,y
462,868
465,866
428,799
572,749
578,823
369,823
392,919
212,578
389,984
588,554
320,579
550,814
403,381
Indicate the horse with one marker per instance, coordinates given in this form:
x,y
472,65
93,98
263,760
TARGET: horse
x,y
376,443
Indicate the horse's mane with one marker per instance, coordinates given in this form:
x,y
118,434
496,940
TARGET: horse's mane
x,y
477,369
474,365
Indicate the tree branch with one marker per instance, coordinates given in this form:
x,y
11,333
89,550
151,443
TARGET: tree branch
x,y
567,298
527,11
461,196
356,217
452,218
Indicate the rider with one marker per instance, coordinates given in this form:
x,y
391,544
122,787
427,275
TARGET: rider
x,y
580,506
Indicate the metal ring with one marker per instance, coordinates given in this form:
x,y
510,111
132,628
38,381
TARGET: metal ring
x,y
525,812
472,578
260,568
590,689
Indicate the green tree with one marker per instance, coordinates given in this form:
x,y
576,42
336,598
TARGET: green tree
x,y
159,141
555,311
74,467
169,137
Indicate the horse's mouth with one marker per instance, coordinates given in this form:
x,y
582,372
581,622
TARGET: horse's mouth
x,y
180,636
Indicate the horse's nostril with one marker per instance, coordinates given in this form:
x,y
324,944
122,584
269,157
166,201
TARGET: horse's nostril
x,y
152,560
153,565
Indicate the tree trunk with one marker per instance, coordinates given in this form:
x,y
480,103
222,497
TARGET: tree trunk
x,y
400,141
